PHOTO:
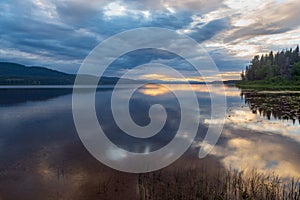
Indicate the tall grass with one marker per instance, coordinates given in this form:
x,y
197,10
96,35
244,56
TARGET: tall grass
x,y
200,184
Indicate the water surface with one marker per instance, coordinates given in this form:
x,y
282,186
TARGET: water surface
x,y
42,156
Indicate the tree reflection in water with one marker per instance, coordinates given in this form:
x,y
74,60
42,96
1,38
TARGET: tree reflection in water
x,y
282,106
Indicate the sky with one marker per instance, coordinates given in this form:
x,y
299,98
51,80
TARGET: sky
x,y
59,34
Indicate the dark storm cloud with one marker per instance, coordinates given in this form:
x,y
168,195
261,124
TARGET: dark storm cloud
x,y
78,30
35,36
62,33
210,29
76,27
77,12
199,6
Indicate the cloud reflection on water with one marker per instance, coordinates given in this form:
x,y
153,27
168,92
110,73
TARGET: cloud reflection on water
x,y
265,153
250,140
244,118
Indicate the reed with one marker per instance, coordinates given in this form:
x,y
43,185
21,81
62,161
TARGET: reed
x,y
195,183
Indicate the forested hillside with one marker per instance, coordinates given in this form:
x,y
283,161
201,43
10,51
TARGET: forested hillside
x,y
17,74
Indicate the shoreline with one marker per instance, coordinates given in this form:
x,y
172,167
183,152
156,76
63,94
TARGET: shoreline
x,y
269,87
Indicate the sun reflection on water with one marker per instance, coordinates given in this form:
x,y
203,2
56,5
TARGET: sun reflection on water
x,y
162,89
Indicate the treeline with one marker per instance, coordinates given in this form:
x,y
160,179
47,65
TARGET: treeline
x,y
274,67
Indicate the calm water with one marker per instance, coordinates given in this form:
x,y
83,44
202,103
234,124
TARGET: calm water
x,y
43,158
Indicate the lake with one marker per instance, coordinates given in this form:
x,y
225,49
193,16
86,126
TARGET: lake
x,y
42,156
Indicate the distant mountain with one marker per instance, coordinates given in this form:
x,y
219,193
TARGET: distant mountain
x,y
16,74
228,82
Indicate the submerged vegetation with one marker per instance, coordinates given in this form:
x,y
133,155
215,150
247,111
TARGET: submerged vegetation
x,y
273,71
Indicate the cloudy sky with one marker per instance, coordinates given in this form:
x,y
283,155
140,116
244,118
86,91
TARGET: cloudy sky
x,y
59,34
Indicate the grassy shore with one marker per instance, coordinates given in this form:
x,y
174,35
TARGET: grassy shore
x,y
265,85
